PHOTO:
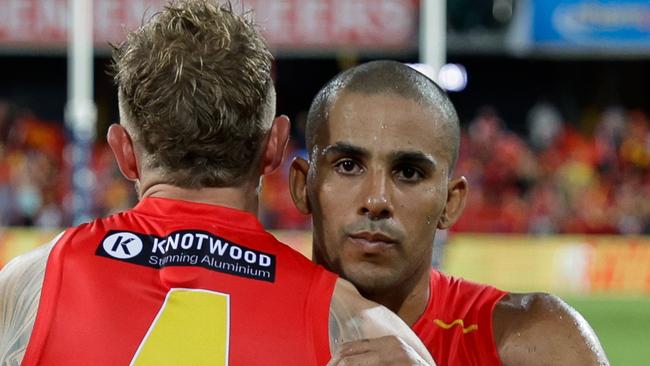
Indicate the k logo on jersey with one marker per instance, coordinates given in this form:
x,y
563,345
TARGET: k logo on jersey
x,y
122,245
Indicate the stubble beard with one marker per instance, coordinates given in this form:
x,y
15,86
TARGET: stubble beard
x,y
372,282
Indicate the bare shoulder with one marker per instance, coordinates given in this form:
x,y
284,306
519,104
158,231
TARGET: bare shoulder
x,y
541,329
354,318
23,266
21,281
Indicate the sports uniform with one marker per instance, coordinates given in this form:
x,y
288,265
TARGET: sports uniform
x,y
456,326
175,282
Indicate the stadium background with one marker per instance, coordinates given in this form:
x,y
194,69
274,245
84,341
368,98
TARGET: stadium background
x,y
556,135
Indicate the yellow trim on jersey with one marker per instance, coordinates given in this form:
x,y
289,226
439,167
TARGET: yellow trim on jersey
x,y
458,322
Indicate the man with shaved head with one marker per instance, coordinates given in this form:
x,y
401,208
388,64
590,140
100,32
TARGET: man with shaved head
x,y
383,140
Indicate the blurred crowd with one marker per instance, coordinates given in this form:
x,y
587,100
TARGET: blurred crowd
x,y
558,178
35,171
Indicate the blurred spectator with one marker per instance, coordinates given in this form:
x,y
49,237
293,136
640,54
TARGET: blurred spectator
x,y
563,181
544,123
560,181
113,193
34,175
277,209
30,174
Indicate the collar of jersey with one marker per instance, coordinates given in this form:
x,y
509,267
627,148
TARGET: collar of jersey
x,y
173,208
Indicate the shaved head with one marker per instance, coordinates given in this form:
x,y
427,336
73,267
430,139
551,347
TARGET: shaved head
x,y
387,77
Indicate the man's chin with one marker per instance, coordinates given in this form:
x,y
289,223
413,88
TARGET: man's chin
x,y
370,278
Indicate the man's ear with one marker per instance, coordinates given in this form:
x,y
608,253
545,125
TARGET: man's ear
x,y
124,151
276,144
456,198
298,184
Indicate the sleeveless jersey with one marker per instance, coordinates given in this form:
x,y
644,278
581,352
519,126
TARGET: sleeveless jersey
x,y
456,326
178,283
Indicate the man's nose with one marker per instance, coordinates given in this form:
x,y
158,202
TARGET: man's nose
x,y
376,202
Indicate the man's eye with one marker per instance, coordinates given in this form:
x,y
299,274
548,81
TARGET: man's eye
x,y
348,167
408,173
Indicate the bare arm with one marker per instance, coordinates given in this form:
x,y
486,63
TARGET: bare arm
x,y
541,329
21,281
360,329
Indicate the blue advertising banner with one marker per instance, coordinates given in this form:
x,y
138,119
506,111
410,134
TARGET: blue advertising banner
x,y
613,24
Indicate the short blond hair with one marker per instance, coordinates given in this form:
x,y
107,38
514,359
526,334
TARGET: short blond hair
x,y
195,91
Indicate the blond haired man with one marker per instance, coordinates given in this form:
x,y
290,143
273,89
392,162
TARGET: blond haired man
x,y
188,276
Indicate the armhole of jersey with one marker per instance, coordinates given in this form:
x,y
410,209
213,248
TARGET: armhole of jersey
x,y
47,302
317,313
492,346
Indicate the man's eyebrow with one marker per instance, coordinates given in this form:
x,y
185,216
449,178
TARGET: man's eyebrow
x,y
413,157
343,148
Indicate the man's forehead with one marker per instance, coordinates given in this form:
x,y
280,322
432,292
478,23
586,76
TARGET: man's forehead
x,y
374,118
383,124
372,105
363,99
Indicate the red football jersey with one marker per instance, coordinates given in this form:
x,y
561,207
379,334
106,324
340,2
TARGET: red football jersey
x,y
456,326
179,283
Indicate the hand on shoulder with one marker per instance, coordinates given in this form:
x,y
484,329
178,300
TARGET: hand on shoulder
x,y
365,333
387,350
541,329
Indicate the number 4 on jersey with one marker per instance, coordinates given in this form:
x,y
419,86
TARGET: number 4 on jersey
x,y
191,328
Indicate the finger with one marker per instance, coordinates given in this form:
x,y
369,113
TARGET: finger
x,y
371,345
357,347
365,359
334,361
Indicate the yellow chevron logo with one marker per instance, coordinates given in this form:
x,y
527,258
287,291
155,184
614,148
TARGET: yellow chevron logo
x,y
458,322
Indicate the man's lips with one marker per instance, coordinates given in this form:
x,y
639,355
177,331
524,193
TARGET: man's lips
x,y
372,242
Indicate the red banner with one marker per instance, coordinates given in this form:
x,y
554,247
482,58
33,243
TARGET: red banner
x,y
338,23
287,24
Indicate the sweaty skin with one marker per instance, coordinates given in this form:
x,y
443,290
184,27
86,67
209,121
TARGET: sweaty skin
x,y
541,329
378,185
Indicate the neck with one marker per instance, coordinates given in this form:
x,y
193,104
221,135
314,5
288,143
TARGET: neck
x,y
408,300
243,198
